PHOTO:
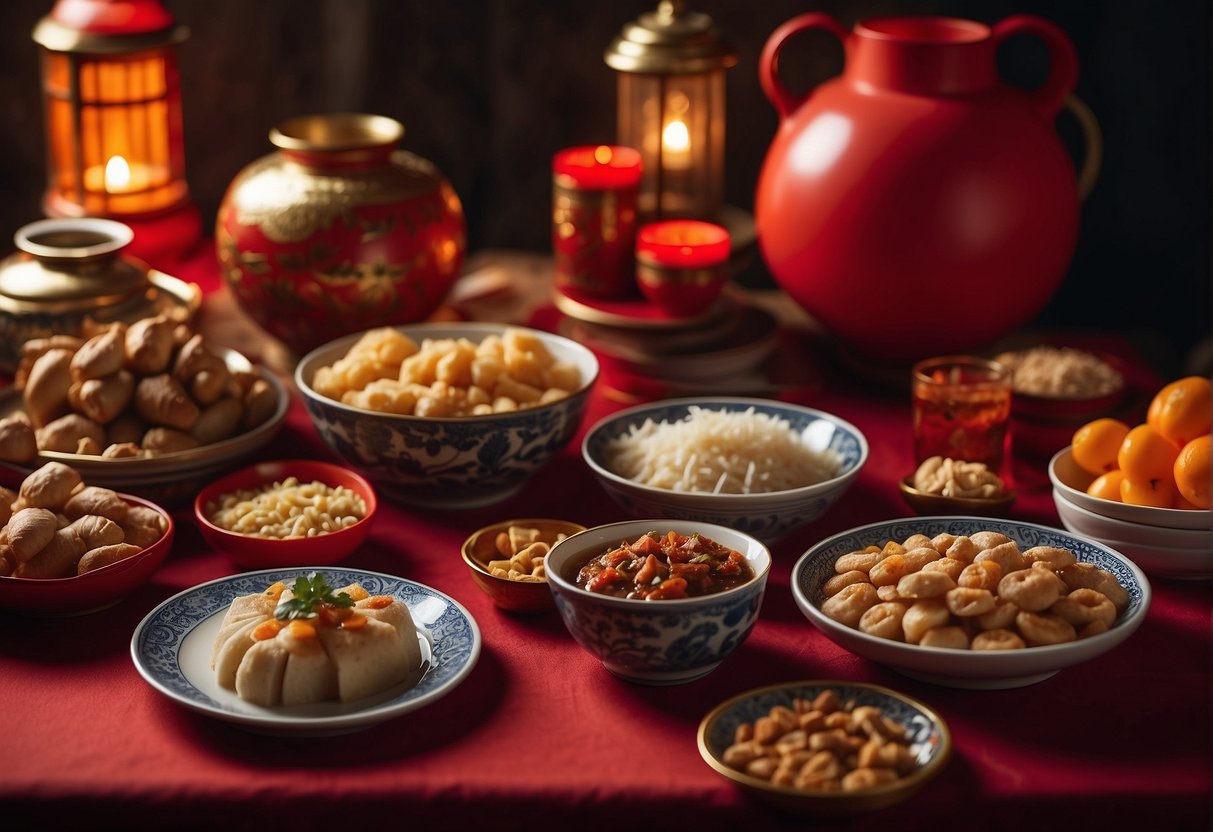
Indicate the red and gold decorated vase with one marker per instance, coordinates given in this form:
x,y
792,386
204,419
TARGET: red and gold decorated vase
x,y
337,231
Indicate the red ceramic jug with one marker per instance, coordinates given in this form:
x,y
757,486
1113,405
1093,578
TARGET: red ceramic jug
x,y
916,204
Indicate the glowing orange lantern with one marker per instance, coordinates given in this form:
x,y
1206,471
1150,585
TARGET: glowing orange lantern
x,y
113,120
671,108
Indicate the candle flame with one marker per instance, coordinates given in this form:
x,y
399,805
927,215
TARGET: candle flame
x,y
676,137
117,173
603,154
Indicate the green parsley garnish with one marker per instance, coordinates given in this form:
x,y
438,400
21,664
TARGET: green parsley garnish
x,y
310,592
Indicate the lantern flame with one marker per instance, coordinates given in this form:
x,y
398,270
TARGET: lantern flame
x,y
676,137
117,174
676,145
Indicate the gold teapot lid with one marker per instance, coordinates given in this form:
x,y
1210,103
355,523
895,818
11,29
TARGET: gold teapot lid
x,y
70,263
67,270
670,41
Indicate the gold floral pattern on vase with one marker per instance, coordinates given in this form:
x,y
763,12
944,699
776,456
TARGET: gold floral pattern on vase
x,y
336,232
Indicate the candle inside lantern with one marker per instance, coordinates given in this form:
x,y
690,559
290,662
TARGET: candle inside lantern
x,y
676,145
118,176
683,244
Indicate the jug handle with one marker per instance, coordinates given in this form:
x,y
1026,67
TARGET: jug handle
x,y
1093,157
1063,69
785,102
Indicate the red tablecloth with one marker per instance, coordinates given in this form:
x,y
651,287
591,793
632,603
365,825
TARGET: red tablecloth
x,y
540,735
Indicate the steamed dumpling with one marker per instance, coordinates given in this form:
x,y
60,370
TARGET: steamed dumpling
x,y
374,657
314,660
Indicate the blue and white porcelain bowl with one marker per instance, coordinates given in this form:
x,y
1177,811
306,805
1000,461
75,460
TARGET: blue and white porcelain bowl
x,y
768,516
448,463
656,642
973,669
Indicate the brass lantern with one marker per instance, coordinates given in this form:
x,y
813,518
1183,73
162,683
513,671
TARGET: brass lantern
x,y
113,119
671,107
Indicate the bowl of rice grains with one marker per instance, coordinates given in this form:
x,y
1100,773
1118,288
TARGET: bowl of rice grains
x,y
760,466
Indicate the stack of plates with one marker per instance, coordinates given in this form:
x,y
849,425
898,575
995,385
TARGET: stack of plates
x,y
719,350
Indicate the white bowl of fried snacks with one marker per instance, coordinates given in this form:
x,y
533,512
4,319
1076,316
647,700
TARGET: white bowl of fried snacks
x,y
951,486
451,415
506,560
970,602
790,745
287,513
69,547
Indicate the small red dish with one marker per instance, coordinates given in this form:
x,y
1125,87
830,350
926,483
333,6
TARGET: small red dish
x,y
94,590
1069,410
264,552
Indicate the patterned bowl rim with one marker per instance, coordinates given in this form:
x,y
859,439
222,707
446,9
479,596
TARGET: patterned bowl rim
x,y
757,584
636,415
1124,626
306,368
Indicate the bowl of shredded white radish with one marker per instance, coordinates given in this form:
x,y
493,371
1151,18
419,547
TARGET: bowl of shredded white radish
x,y
761,466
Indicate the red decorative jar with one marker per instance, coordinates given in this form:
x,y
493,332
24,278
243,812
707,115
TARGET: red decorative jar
x,y
337,231
917,205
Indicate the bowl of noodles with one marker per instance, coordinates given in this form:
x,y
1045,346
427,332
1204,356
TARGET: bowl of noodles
x,y
760,466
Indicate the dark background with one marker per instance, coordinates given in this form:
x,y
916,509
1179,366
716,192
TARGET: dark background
x,y
489,90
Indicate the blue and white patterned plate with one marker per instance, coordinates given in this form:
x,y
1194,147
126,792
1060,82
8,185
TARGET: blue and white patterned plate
x,y
989,669
171,649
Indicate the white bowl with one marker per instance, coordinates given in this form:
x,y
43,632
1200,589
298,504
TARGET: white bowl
x,y
968,668
656,642
448,463
1073,481
1186,554
768,516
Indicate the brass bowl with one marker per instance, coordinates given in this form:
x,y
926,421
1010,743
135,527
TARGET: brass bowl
x,y
517,596
69,269
930,743
925,503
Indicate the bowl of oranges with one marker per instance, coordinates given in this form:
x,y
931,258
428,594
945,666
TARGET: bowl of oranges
x,y
1144,489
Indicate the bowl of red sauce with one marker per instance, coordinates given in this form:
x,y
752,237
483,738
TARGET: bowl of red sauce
x,y
659,602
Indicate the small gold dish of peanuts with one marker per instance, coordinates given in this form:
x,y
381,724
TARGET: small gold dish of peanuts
x,y
826,747
955,486
69,547
506,560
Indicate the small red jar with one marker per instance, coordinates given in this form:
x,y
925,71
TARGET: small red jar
x,y
682,265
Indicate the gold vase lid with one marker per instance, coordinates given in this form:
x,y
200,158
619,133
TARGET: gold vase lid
x,y
670,41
